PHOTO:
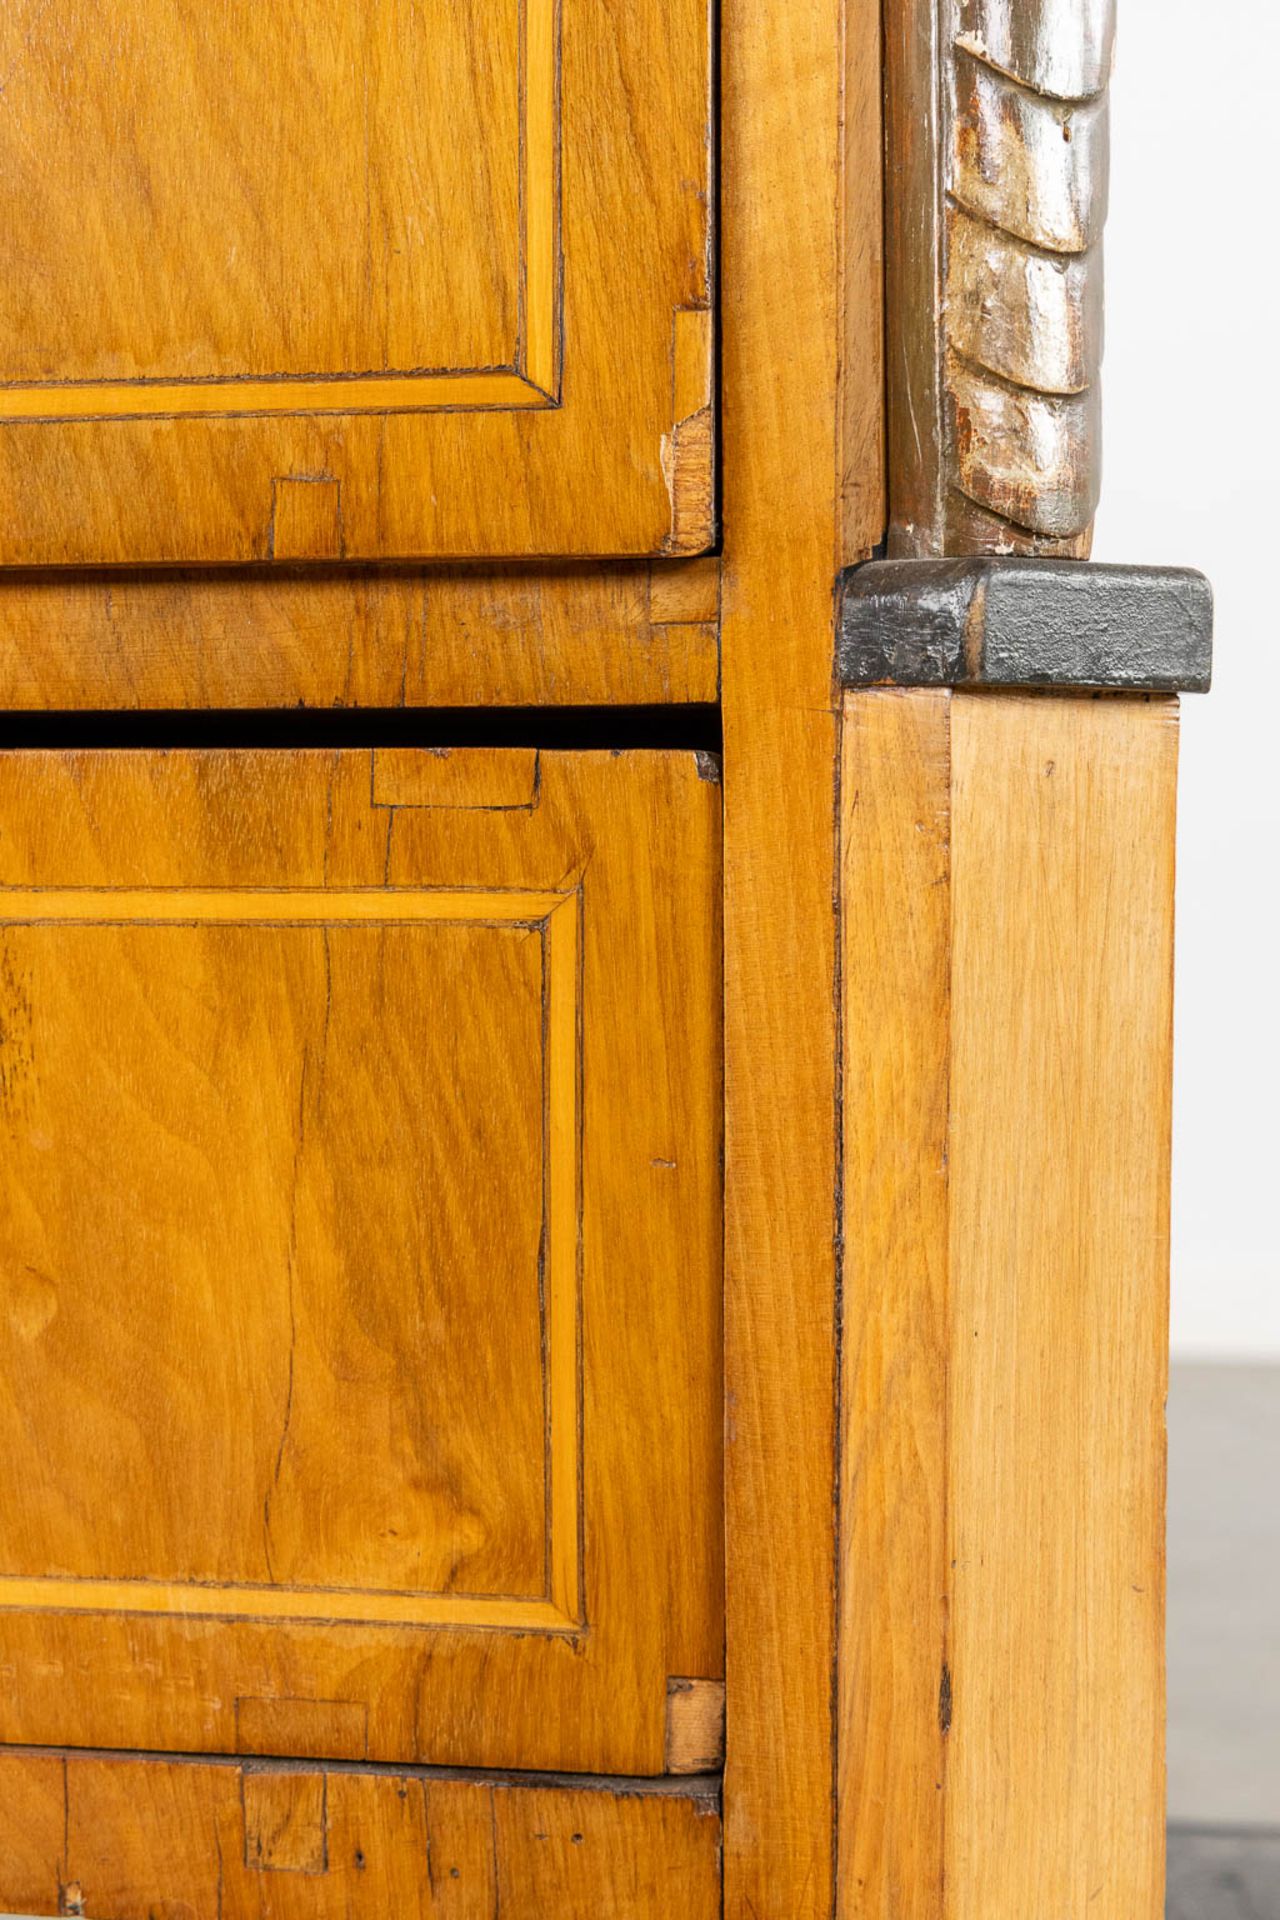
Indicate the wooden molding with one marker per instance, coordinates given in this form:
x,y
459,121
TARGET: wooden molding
x,y
995,195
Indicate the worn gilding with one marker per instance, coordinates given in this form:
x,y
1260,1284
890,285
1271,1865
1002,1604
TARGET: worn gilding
x,y
1059,47
997,187
1032,317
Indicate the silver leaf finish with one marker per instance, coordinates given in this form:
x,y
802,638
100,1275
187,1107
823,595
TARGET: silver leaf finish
x,y
996,195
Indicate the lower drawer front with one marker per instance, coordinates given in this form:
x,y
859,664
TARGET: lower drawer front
x,y
120,1839
360,1345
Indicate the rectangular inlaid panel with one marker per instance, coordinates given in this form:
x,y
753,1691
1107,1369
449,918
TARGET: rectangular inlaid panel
x,y
354,279
281,214
360,1253
316,1155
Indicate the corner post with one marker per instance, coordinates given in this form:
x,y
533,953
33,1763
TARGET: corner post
x,y
1007,865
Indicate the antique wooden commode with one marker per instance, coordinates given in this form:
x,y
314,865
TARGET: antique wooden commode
x,y
586,882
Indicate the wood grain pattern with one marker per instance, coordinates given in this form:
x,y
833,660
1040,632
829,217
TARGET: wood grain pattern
x,y
306,519
357,1204
476,1389
803,477
895,879
471,778
1062,977
449,637
285,1821
1006,1206
114,1837
406,253
318,171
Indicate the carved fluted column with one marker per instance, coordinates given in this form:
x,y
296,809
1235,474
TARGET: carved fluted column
x,y
996,195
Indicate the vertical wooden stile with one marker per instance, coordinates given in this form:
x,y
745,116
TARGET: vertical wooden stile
x,y
801,303
1007,866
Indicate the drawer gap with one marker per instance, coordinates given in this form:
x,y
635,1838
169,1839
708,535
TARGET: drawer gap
x,y
692,727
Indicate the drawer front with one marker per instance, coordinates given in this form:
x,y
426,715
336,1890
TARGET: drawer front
x,y
361,278
643,633
117,1837
359,1368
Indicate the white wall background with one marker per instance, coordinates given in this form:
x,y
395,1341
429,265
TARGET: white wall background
x,y
1192,442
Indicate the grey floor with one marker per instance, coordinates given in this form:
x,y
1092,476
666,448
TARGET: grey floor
x,y
1224,1643
1215,1874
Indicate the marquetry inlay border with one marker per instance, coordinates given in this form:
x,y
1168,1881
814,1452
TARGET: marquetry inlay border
x,y
557,917
531,380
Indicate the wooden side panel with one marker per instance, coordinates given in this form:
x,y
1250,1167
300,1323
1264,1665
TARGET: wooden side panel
x,y
113,1838
1008,891
1060,1088
364,1207
638,634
